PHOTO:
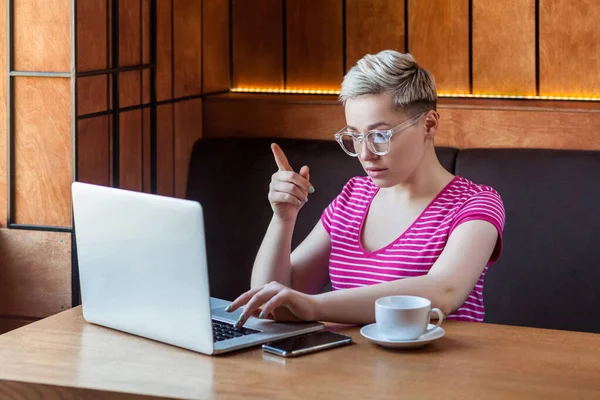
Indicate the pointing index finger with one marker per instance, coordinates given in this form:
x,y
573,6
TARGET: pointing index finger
x,y
280,158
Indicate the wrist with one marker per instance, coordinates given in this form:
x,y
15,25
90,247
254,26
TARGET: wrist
x,y
285,221
316,307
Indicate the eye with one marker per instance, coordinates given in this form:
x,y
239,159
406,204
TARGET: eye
x,y
378,138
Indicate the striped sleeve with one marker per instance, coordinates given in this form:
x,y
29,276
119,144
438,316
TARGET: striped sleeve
x,y
483,206
328,214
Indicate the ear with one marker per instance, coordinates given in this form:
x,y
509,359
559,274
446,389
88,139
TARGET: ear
x,y
432,121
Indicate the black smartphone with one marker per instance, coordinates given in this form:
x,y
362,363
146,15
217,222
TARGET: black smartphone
x,y
304,344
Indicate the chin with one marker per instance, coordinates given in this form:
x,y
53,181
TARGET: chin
x,y
383,183
390,180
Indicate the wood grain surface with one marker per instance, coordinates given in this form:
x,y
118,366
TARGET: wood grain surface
x,y
130,41
130,151
42,35
188,129
314,43
215,46
93,150
43,172
187,45
257,43
35,278
92,92
569,48
472,361
372,26
504,47
91,35
129,89
164,50
439,39
8,324
464,124
165,155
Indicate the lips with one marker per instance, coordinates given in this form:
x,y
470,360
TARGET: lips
x,y
376,172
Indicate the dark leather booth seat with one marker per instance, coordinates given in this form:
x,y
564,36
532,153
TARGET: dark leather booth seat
x,y
548,275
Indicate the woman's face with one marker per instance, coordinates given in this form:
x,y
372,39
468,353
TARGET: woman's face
x,y
407,147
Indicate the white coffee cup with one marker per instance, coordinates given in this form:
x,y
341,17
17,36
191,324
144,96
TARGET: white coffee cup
x,y
404,317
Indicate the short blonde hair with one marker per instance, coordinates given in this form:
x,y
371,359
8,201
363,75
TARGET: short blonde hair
x,y
392,72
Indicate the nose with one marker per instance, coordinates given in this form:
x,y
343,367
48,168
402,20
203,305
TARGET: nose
x,y
365,153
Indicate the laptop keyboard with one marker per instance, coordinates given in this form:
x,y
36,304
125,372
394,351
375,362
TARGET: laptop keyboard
x,y
224,331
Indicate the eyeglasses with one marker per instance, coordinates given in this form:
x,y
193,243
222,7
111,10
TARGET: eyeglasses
x,y
378,141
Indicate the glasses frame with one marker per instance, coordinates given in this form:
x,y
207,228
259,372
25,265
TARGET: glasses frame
x,y
386,133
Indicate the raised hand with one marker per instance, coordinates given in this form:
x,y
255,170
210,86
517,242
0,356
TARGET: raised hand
x,y
288,190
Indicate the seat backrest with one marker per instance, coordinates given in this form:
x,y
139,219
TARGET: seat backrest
x,y
549,271
230,178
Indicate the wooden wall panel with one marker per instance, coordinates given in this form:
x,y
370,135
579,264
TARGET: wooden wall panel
x,y
146,159
130,150
503,50
504,59
372,26
257,40
496,128
130,52
462,125
129,88
92,94
146,37
144,75
314,44
9,324
165,154
146,86
187,44
215,45
438,37
2,114
307,117
91,35
164,67
93,151
569,48
188,129
42,35
36,273
130,45
42,151
93,91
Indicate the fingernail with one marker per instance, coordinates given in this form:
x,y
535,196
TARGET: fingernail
x,y
228,308
311,189
238,323
306,200
262,314
299,203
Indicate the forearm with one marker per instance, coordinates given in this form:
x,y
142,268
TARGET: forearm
x,y
357,306
273,259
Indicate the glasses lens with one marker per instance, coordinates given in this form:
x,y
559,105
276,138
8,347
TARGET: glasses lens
x,y
348,143
379,143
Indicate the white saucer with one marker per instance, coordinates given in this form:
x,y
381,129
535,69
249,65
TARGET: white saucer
x,y
372,333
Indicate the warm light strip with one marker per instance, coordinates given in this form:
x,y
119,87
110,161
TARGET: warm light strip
x,y
447,95
284,91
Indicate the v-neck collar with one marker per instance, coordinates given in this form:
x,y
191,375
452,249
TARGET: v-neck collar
x,y
384,248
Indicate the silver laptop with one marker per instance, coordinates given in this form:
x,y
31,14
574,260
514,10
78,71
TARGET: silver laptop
x,y
142,267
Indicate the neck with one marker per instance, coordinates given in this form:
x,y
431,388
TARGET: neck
x,y
428,179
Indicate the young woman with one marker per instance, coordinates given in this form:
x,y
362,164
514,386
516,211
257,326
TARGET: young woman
x,y
407,228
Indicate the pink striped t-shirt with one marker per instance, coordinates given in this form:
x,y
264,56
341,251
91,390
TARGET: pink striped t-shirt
x,y
415,251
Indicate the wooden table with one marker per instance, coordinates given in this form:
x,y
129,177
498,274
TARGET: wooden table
x,y
64,357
